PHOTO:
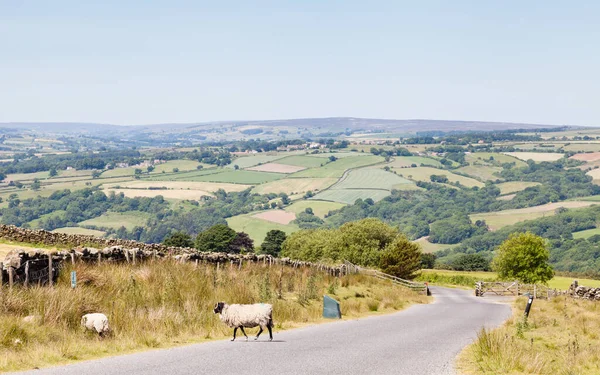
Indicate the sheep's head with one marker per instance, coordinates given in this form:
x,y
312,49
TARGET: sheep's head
x,y
219,307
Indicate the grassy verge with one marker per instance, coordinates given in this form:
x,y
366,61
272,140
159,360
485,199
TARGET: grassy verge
x,y
560,337
157,305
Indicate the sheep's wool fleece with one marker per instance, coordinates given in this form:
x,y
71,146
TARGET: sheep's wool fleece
x,y
97,322
247,316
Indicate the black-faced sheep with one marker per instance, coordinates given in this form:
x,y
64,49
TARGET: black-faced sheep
x,y
246,316
96,322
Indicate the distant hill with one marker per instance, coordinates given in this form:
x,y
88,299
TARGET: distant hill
x,y
340,123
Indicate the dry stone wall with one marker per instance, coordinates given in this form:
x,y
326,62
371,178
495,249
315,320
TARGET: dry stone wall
x,y
584,292
30,265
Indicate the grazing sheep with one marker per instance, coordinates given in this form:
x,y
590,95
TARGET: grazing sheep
x,y
248,316
95,322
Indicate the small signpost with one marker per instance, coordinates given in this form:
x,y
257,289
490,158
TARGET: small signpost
x,y
528,307
73,279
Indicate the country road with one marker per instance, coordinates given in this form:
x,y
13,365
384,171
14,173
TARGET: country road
x,y
422,339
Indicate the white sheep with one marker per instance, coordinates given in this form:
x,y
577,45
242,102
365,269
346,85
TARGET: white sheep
x,y
95,322
248,316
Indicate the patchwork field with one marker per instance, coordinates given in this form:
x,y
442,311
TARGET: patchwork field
x,y
495,157
497,220
276,168
407,161
349,196
337,168
240,177
77,230
294,185
370,178
536,156
115,220
182,165
514,186
481,172
184,176
589,156
178,185
424,173
257,228
252,160
582,147
320,208
167,194
277,216
303,161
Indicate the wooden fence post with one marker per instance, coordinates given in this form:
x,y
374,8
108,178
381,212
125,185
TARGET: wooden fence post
x,y
1,274
27,274
10,277
99,258
73,258
133,256
126,252
240,266
50,272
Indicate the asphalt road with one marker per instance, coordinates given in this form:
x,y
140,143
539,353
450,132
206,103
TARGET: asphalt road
x,y
423,339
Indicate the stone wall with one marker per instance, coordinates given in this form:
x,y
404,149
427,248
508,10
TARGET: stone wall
x,y
29,265
584,292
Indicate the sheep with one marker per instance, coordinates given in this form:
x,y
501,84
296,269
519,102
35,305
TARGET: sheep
x,y
96,322
248,316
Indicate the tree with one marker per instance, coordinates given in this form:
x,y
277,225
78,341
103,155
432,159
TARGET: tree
x,y
524,257
150,168
272,242
52,172
309,211
428,260
401,258
175,170
178,239
96,174
137,171
216,238
242,243
332,158
36,184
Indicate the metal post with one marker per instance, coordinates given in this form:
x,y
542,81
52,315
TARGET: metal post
x,y
528,307
50,271
27,274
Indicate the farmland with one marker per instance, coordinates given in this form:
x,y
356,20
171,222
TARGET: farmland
x,y
424,174
493,157
407,161
252,160
515,186
294,185
586,233
115,220
77,230
536,156
257,228
349,196
370,178
320,208
303,161
497,220
276,168
239,177
338,167
481,172
177,185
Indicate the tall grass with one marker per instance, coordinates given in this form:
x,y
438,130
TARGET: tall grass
x,y
560,337
159,304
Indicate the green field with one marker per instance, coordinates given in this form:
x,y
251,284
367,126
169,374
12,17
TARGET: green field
x,y
497,157
349,196
240,177
302,161
586,233
582,147
558,282
340,155
320,208
182,165
481,172
257,228
514,186
429,247
35,224
184,176
424,173
252,160
337,168
407,161
592,198
27,176
77,230
370,178
294,185
499,219
115,220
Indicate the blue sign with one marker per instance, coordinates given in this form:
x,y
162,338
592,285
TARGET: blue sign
x,y
73,279
331,308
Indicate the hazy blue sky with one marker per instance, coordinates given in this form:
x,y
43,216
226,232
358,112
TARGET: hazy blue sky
x,y
135,62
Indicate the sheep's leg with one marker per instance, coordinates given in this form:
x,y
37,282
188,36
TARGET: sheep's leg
x,y
259,332
244,332
270,331
234,332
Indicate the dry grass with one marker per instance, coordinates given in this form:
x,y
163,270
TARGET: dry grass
x,y
560,337
536,156
153,305
277,216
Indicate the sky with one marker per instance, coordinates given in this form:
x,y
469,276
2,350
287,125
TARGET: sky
x,y
145,62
